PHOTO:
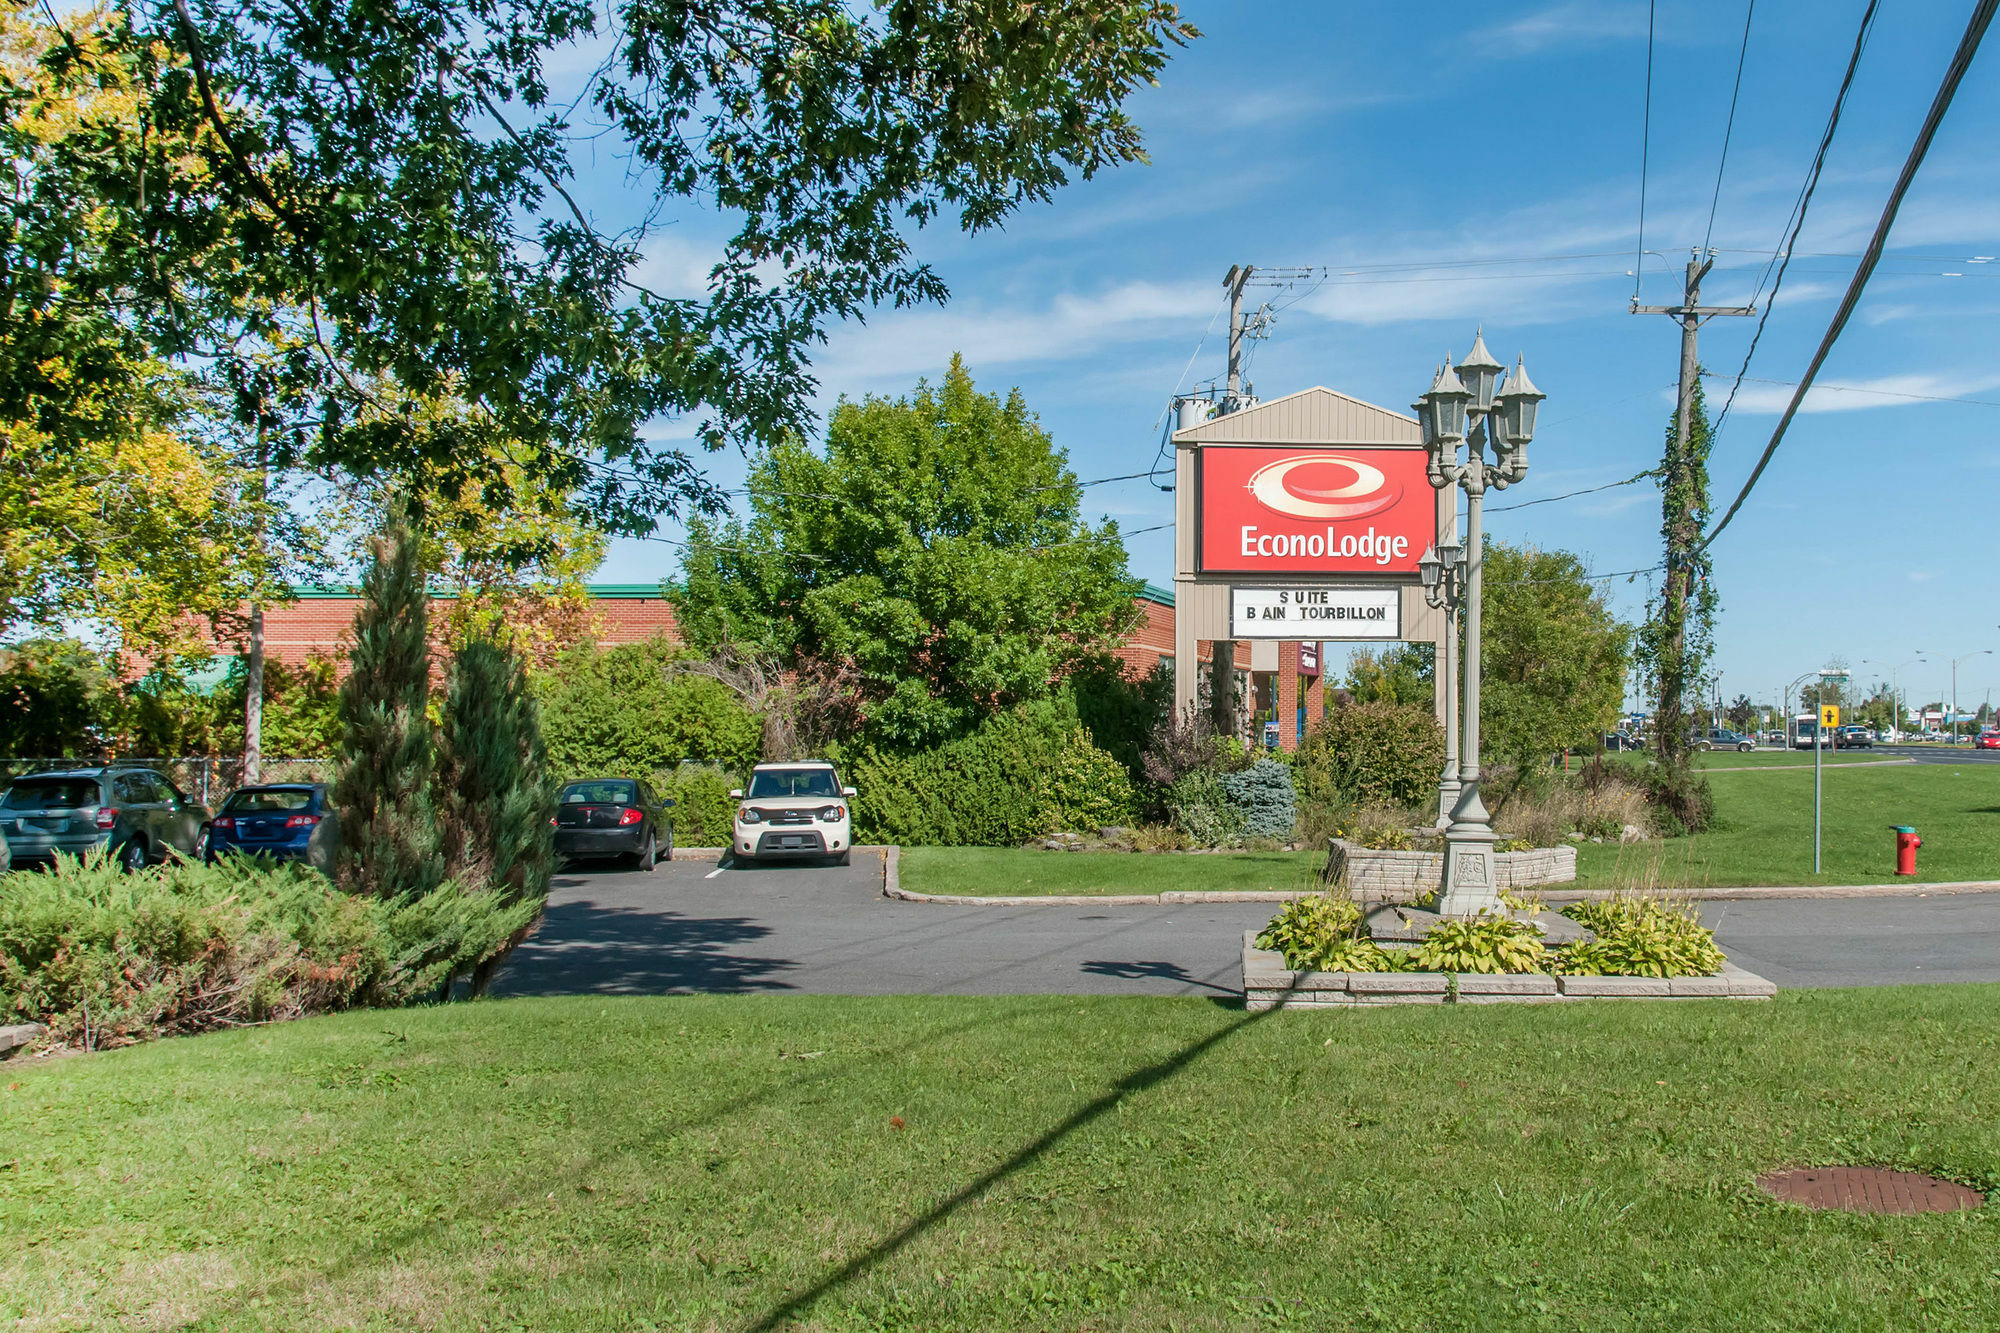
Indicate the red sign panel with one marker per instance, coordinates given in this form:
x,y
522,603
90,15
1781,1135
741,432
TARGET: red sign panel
x,y
1275,510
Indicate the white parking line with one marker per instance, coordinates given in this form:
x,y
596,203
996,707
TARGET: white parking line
x,y
713,873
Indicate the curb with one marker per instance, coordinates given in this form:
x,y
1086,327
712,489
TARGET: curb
x,y
16,1035
891,888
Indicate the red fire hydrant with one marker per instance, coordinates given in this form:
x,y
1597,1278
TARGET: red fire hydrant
x,y
1907,843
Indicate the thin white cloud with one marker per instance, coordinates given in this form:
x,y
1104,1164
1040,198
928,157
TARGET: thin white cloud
x,y
1858,395
897,347
1573,23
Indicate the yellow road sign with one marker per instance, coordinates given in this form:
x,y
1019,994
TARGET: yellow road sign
x,y
1829,715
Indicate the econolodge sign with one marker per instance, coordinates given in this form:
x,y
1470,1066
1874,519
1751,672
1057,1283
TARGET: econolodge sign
x,y
1287,510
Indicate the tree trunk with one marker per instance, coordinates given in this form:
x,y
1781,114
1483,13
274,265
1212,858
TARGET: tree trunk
x,y
253,701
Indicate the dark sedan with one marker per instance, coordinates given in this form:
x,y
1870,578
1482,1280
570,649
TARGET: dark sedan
x,y
287,821
602,818
135,815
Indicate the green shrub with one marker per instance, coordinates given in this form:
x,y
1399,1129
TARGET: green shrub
x,y
1199,807
1374,753
622,711
1022,775
1488,943
1264,794
106,958
1680,799
1641,936
1121,712
703,809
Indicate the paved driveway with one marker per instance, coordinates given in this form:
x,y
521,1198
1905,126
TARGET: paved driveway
x,y
693,926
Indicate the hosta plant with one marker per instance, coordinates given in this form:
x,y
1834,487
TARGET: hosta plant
x,y
1641,937
1487,943
1311,929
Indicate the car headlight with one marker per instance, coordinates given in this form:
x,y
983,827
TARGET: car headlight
x,y
832,814
749,817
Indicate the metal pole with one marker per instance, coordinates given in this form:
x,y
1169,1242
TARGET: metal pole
x,y
1449,784
1819,748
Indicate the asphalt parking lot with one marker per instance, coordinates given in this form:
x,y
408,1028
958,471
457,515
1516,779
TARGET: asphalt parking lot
x,y
695,926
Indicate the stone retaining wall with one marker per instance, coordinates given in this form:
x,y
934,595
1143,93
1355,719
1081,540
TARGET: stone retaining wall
x,y
1269,984
1405,876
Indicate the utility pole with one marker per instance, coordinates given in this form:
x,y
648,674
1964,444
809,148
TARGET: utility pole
x,y
1222,665
1683,524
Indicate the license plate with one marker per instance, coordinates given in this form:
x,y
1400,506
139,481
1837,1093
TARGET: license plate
x,y
45,825
793,840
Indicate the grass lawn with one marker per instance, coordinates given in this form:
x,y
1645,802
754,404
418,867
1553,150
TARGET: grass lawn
x,y
1018,871
1766,833
1785,758
748,1163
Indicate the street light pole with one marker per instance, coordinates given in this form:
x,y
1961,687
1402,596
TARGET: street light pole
x,y
1468,885
1982,652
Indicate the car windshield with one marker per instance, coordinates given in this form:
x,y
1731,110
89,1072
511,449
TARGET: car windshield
x,y
599,793
793,782
255,800
51,794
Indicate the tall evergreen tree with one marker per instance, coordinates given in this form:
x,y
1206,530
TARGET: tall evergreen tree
x,y
388,833
493,793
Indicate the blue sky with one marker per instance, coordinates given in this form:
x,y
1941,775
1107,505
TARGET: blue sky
x,y
1452,172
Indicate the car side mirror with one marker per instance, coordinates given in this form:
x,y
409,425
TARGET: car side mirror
x,y
735,793
849,793
668,803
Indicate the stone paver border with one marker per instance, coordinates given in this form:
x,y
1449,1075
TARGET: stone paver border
x,y
16,1035
1269,984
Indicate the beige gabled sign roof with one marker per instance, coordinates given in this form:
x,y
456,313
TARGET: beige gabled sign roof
x,y
1310,416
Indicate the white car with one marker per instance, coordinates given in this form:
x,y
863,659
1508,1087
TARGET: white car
x,y
794,810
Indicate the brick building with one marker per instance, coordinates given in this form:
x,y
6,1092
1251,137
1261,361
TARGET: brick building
x,y
320,620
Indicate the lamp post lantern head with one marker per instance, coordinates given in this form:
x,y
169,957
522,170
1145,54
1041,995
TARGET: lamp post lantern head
x,y
1480,373
1423,417
1452,555
1430,569
1519,405
1445,406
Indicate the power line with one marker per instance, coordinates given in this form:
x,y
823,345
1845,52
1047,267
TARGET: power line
x,y
1782,257
1880,393
1645,152
1968,46
1729,127
1588,490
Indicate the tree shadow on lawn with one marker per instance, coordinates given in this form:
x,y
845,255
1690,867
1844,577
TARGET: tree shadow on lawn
x,y
582,948
1139,1080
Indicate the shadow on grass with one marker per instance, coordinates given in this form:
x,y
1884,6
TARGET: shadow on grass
x,y
1139,1080
582,948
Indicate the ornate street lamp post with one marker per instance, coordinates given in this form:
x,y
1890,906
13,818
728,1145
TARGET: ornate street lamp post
x,y
1463,407
1442,572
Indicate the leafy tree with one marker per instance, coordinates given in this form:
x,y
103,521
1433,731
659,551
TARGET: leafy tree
x,y
1677,641
1122,712
1553,657
493,793
361,192
631,710
1742,713
935,549
1403,674
57,700
388,832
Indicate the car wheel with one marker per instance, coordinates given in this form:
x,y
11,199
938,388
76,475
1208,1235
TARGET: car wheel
x,y
1746,747
668,853
650,855
201,839
132,856
1704,746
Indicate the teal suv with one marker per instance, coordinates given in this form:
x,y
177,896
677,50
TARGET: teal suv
x,y
134,814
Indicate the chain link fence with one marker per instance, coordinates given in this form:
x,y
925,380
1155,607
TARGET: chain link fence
x,y
207,779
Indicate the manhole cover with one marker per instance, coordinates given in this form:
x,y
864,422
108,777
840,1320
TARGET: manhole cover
x,y
1867,1189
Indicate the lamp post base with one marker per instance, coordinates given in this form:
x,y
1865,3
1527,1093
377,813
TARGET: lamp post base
x,y
1468,885
1448,791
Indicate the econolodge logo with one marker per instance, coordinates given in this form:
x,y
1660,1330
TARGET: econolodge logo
x,y
1323,486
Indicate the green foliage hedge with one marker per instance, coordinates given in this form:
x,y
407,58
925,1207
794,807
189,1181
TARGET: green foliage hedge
x,y
1022,775
621,711
107,958
1371,754
703,811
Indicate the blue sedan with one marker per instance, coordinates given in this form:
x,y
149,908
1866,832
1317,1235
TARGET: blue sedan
x,y
285,820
